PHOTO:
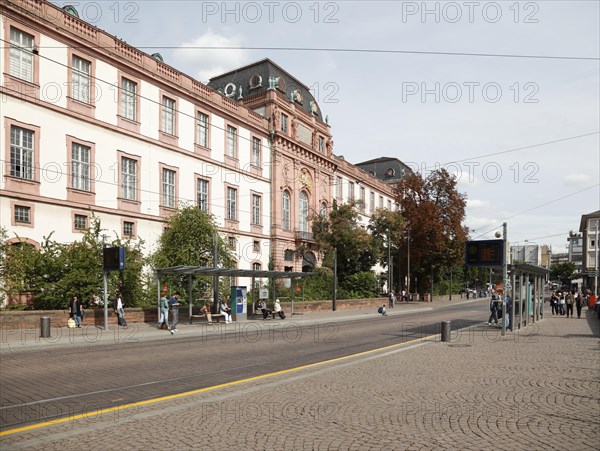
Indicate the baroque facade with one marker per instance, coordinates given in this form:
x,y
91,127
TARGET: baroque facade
x,y
91,125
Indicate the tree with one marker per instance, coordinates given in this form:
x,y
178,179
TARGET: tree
x,y
388,229
563,272
341,230
188,240
434,211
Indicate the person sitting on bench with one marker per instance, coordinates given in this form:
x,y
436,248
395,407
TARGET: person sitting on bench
x,y
262,305
206,311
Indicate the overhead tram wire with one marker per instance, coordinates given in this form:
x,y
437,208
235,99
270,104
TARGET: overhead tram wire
x,y
350,50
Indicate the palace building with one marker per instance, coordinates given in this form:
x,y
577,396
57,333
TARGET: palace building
x,y
92,125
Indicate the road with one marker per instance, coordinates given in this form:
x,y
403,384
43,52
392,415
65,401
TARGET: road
x,y
42,384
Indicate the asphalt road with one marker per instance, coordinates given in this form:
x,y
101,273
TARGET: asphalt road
x,y
43,384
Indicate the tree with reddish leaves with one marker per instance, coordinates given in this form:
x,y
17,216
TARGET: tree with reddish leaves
x,y
433,212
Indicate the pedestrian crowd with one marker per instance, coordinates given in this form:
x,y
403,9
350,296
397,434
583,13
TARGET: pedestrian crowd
x,y
562,302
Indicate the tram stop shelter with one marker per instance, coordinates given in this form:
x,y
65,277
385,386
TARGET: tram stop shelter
x,y
527,293
201,271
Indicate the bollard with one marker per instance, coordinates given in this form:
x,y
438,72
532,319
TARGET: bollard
x,y
45,327
446,330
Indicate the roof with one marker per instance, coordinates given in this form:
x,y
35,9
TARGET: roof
x,y
388,169
254,79
584,219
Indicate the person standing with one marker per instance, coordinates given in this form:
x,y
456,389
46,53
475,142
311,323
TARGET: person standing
x,y
569,303
494,310
561,303
163,311
119,309
579,303
76,309
174,307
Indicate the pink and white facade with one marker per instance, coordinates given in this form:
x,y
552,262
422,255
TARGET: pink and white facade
x,y
90,125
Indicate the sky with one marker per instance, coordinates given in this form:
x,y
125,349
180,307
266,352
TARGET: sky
x,y
505,94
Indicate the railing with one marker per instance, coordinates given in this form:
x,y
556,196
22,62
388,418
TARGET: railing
x,y
304,236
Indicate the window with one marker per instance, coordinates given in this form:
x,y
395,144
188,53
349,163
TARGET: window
x,y
81,79
284,122
256,246
80,222
362,197
389,204
323,210
380,201
321,144
303,212
128,178
255,209
350,191
21,56
338,187
202,123
202,194
128,99
168,188
288,255
22,214
372,202
255,159
128,229
80,167
168,116
21,153
285,210
231,204
256,266
231,142
231,242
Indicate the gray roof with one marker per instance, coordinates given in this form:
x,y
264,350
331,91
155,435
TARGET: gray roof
x,y
247,77
387,169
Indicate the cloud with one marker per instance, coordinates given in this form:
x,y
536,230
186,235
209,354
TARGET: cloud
x,y
477,203
207,63
577,180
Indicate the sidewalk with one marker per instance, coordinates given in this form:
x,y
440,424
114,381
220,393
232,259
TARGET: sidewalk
x,y
535,389
23,339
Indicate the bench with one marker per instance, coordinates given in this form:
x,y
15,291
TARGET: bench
x,y
216,317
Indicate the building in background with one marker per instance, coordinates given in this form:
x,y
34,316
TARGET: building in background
x,y
589,228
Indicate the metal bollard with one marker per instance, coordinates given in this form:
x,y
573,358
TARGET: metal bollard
x,y
45,327
446,330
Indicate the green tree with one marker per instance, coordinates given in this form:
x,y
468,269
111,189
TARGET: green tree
x,y
388,229
188,240
563,272
341,230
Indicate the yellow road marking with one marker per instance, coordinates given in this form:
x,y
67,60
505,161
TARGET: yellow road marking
x,y
200,390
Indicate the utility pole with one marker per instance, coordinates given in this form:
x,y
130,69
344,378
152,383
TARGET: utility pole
x,y
334,278
504,278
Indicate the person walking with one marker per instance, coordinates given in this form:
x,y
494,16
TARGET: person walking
x,y
579,303
561,303
119,309
569,303
494,310
554,303
174,307
163,311
76,309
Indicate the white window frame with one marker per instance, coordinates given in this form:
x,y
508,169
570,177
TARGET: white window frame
x,y
231,148
78,226
231,203
286,209
80,166
22,153
338,187
81,79
303,206
22,214
169,178
256,209
21,55
168,115
202,128
128,99
202,194
129,178
256,145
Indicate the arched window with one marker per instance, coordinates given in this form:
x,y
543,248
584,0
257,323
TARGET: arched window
x,y
323,210
303,212
285,208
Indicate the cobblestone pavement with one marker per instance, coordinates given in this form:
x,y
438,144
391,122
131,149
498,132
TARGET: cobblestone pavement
x,y
538,388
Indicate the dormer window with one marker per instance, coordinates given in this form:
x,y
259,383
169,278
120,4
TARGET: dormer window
x,y
390,172
255,81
